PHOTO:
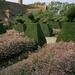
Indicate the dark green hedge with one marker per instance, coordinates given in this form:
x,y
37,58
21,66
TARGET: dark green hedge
x,y
67,32
47,30
2,28
31,16
34,31
19,27
55,25
70,13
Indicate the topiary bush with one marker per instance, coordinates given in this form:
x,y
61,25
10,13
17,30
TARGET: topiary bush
x,y
34,31
8,26
47,30
70,13
12,43
56,25
2,28
30,16
67,32
64,19
19,26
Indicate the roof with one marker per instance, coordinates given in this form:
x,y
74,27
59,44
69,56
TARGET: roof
x,y
15,8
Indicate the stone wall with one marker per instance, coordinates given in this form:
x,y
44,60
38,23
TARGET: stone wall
x,y
37,7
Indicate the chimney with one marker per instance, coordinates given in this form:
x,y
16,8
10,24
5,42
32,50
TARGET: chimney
x,y
20,2
7,13
37,4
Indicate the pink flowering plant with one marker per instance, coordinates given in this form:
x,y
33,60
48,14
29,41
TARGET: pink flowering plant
x,y
12,43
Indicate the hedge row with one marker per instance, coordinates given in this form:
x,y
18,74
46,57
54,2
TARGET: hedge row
x,y
67,32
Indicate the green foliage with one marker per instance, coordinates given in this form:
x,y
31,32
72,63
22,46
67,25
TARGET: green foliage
x,y
67,32
55,7
64,19
58,19
20,20
55,25
34,31
19,27
36,20
44,16
30,16
38,13
41,36
19,24
8,26
46,19
47,30
70,13
2,28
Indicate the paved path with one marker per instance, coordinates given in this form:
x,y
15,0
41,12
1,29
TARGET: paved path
x,y
51,39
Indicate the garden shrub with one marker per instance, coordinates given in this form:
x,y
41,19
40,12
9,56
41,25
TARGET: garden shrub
x,y
58,19
34,31
25,17
70,13
47,30
30,16
67,32
38,13
12,43
56,25
20,20
53,59
41,36
8,26
46,19
64,19
2,28
36,20
19,24
19,27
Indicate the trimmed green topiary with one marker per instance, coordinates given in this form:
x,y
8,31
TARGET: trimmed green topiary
x,y
70,13
56,25
47,30
64,19
19,27
2,28
34,31
30,16
67,33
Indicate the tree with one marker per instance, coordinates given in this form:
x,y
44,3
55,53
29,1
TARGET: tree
x,y
55,7
43,3
70,13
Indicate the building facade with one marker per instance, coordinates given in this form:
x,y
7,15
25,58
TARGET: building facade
x,y
8,9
